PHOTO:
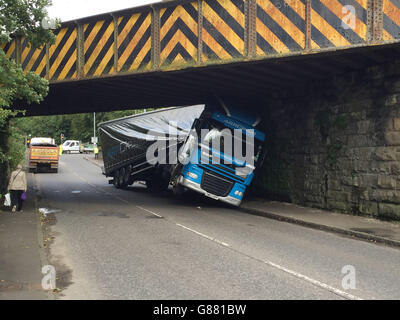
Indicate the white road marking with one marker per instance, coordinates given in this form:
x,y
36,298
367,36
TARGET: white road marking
x,y
271,264
277,266
120,199
153,213
203,235
314,282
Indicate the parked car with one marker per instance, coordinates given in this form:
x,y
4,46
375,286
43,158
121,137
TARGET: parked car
x,y
86,148
71,146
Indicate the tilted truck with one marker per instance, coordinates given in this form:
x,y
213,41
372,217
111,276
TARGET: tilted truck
x,y
187,159
43,155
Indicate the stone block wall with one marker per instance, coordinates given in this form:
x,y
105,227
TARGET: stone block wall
x,y
336,144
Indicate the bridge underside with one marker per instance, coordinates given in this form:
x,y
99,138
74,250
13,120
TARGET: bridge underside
x,y
192,85
179,52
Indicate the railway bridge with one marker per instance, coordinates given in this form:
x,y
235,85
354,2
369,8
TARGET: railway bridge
x,y
178,52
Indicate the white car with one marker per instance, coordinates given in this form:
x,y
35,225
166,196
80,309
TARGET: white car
x,y
71,146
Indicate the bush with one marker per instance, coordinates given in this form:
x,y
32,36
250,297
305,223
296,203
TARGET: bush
x,y
16,151
12,153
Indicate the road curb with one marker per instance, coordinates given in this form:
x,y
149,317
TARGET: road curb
x,y
92,161
350,233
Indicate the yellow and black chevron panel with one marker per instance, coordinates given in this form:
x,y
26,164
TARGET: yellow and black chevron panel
x,y
391,20
63,55
281,26
223,29
134,42
33,59
99,47
338,23
9,49
179,34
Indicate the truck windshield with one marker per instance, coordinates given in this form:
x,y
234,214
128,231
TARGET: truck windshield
x,y
215,136
42,144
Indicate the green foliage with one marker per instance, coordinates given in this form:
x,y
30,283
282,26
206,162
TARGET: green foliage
x,y
23,18
73,127
19,18
16,151
12,151
16,85
6,114
42,126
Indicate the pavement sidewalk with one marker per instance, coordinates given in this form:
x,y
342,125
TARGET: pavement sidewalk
x,y
21,258
366,228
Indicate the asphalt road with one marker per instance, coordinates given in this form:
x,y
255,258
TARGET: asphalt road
x,y
130,244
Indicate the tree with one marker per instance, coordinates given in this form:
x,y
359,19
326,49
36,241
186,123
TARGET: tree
x,y
19,18
22,18
73,127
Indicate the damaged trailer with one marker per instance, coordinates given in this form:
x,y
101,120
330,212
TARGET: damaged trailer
x,y
125,143
198,148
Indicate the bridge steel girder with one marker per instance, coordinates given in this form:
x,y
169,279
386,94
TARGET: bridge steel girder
x,y
187,33
192,35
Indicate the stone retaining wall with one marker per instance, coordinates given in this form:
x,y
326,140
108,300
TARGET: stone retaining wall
x,y
336,144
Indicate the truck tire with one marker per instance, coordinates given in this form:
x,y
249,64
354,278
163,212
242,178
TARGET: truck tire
x,y
121,178
150,185
127,176
116,179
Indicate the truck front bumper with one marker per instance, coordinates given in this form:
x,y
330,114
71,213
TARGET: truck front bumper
x,y
196,187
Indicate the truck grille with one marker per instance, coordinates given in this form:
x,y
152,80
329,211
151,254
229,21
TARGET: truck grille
x,y
216,185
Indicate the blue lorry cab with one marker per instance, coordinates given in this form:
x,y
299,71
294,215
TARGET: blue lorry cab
x,y
229,148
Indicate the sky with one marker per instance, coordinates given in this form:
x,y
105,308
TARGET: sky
x,y
73,9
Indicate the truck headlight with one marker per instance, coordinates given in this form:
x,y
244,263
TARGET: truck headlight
x,y
239,193
192,175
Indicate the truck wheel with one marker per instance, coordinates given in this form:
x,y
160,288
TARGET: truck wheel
x,y
127,175
116,179
121,178
150,185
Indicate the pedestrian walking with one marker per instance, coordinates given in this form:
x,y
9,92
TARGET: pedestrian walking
x,y
17,187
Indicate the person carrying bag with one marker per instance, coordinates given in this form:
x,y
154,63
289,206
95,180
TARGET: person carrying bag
x,y
17,188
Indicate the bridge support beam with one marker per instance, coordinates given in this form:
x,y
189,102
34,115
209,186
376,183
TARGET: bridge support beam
x,y
195,33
